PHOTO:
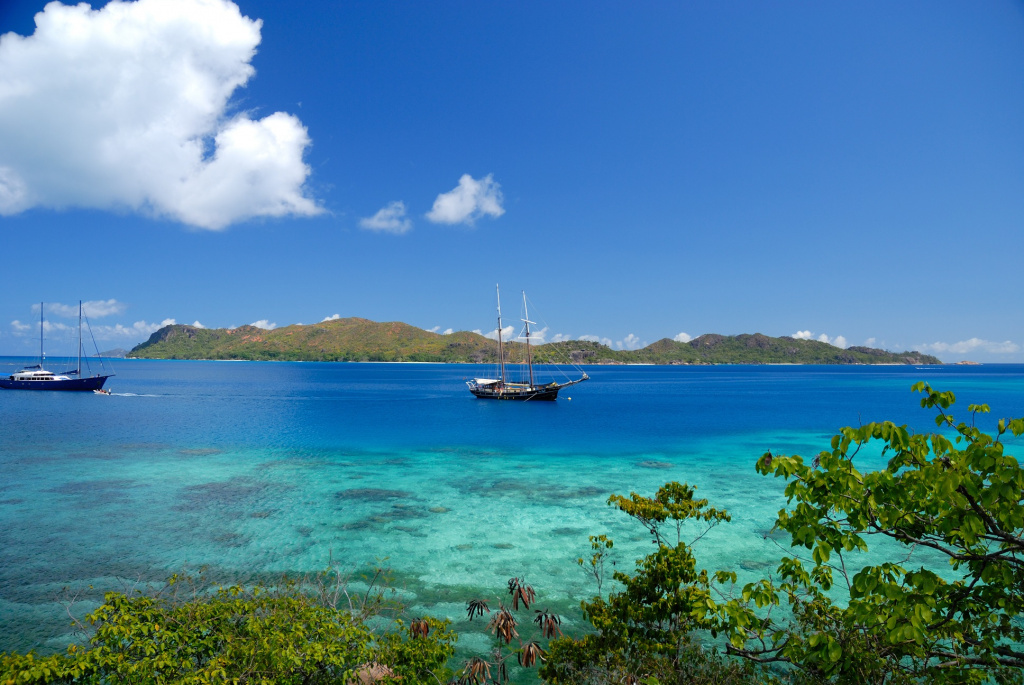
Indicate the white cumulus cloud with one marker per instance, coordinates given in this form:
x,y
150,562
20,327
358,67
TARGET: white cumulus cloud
x,y
838,341
537,337
630,342
332,317
973,345
196,324
469,201
447,331
493,335
683,338
127,107
390,219
264,324
561,337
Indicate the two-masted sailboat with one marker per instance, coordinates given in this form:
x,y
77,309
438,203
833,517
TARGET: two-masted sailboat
x,y
37,378
501,388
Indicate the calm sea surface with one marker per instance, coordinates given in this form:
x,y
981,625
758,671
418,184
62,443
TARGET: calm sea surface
x,y
255,469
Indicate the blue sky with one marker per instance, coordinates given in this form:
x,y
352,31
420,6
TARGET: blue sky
x,y
642,170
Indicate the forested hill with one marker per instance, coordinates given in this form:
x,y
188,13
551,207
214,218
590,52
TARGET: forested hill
x,y
356,339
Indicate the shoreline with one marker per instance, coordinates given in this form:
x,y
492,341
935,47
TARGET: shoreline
x,y
325,361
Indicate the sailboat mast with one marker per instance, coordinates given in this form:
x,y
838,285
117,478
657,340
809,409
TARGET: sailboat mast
x,y
529,359
79,338
501,352
40,335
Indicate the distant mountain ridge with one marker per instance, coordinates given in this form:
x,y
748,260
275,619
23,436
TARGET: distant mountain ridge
x,y
356,339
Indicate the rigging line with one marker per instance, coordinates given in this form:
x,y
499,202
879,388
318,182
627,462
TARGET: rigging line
x,y
564,354
103,367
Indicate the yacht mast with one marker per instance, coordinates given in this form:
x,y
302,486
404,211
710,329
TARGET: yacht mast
x,y
529,359
40,336
501,352
79,338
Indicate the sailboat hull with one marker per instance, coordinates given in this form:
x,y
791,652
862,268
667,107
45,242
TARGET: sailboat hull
x,y
542,394
73,384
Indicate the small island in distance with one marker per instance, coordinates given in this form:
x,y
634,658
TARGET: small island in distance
x,y
361,340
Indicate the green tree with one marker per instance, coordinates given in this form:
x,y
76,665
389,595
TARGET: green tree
x,y
288,635
826,618
646,630
954,492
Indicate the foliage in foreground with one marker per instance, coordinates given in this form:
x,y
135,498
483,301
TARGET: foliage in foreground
x,y
282,636
823,619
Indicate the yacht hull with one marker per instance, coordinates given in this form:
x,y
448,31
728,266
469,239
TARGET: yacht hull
x,y
543,394
72,384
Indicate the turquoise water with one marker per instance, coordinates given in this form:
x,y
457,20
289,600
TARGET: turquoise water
x,y
250,469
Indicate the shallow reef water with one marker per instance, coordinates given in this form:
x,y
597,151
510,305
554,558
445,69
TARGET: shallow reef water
x,y
253,470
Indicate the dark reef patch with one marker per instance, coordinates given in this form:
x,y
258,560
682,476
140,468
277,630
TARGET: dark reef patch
x,y
235,492
372,494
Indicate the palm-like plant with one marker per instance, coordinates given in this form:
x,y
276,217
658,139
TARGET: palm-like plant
x,y
475,672
521,592
477,607
503,625
529,654
548,622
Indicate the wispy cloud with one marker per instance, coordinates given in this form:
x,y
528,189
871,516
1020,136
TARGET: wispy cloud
x,y
137,331
972,345
95,309
469,201
264,324
390,219
128,106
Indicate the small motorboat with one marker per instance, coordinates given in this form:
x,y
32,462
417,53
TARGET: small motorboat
x,y
101,391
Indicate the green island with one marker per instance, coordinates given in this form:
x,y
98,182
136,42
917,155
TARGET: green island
x,y
361,340
828,613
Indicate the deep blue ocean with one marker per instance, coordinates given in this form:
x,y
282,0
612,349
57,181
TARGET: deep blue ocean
x,y
250,470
